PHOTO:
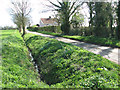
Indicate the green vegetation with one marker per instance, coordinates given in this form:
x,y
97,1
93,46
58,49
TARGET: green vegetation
x,y
55,29
97,40
118,14
65,65
61,65
103,21
89,39
7,28
65,10
17,68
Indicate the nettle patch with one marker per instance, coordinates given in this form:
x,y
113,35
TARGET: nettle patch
x,y
65,65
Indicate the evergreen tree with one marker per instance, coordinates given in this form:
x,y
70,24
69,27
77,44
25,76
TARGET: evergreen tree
x,y
101,19
118,14
91,6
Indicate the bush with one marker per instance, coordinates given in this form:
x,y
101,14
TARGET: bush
x,y
55,29
66,65
82,31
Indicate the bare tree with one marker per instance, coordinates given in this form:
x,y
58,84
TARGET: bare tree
x,y
65,10
20,11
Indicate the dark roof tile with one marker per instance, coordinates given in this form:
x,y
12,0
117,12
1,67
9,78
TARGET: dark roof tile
x,y
48,20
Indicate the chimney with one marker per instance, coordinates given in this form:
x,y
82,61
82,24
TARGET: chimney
x,y
49,17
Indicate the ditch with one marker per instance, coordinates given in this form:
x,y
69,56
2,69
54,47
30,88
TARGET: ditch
x,y
32,59
36,66
73,65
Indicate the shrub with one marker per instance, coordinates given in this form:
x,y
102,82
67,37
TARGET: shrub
x,y
82,31
55,29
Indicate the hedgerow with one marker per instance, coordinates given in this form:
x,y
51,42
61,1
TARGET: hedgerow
x,y
65,65
112,42
55,29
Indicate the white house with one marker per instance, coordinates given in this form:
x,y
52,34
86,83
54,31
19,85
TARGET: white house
x,y
48,22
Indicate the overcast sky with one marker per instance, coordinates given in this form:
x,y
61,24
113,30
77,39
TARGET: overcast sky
x,y
37,7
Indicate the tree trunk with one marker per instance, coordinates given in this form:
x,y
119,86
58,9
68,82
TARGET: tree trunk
x,y
23,31
111,24
91,17
20,28
65,27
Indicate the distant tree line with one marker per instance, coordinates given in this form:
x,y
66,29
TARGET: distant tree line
x,y
7,28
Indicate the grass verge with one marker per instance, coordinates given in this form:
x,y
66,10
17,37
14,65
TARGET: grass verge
x,y
88,39
68,66
17,68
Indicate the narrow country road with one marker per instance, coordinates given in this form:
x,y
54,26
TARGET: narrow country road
x,y
112,54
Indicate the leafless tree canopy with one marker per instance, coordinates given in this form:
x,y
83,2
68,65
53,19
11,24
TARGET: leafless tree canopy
x,y
21,7
20,11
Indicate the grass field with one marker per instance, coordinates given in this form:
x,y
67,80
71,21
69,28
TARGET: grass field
x,y
61,65
65,65
17,68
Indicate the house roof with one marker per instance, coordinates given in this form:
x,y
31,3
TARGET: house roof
x,y
48,20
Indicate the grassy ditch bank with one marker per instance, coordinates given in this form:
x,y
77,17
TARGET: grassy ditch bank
x,y
17,68
65,65
88,39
